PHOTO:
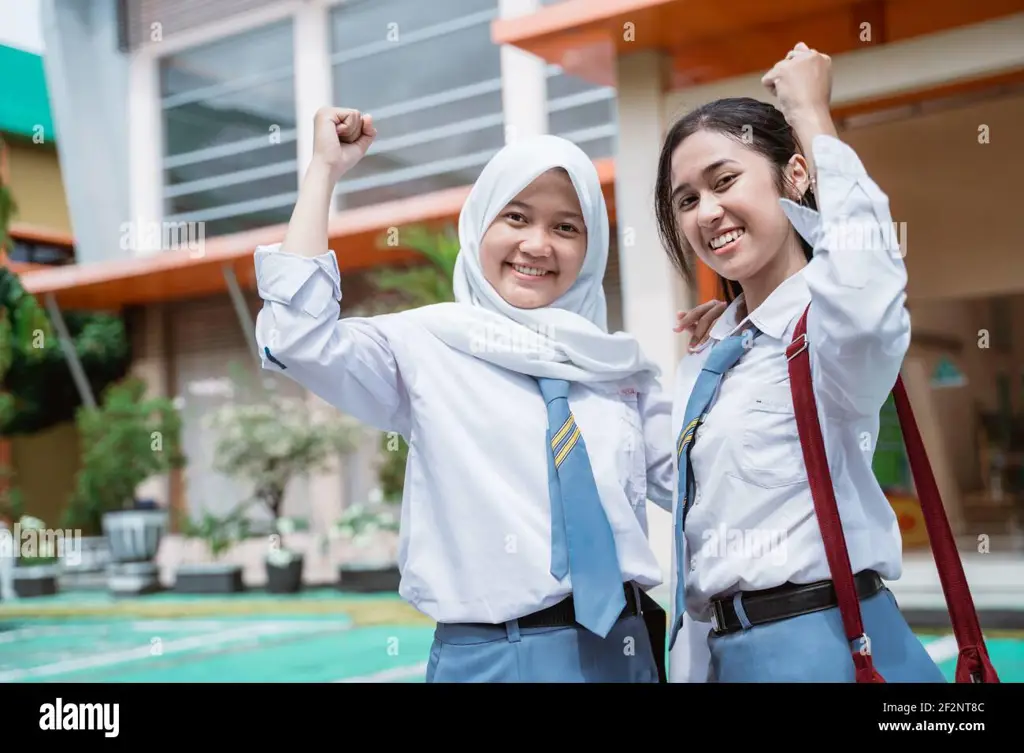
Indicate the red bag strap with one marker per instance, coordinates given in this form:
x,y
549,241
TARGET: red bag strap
x,y
973,664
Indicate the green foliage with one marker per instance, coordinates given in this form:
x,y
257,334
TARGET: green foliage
x,y
421,285
218,532
37,549
38,378
12,503
8,208
125,441
37,390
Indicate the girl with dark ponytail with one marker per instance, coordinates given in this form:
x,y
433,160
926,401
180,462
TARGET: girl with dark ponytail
x,y
767,197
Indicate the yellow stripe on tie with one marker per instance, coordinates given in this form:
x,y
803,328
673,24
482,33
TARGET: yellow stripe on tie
x,y
685,432
682,445
569,423
568,447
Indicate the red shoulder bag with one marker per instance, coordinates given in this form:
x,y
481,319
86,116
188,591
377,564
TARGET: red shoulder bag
x,y
973,664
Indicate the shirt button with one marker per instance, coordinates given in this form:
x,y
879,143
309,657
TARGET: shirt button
x,y
693,563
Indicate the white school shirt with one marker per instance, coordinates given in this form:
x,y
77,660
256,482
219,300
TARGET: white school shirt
x,y
752,524
475,533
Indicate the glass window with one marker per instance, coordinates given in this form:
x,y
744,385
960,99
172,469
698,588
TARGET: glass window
x,y
582,112
41,253
229,152
431,77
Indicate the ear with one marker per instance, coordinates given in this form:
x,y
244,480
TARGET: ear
x,y
797,176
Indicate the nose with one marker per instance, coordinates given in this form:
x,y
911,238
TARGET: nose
x,y
535,243
709,212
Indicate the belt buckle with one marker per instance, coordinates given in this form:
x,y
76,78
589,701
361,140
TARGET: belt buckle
x,y
717,616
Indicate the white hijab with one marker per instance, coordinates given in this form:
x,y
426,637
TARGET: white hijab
x,y
568,339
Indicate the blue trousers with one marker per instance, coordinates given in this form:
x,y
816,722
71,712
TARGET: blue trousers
x,y
813,648
506,653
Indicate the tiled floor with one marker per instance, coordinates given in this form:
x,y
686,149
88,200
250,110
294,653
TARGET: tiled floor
x,y
321,636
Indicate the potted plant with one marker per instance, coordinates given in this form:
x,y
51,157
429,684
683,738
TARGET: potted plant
x,y
125,441
36,570
218,533
268,443
372,530
284,566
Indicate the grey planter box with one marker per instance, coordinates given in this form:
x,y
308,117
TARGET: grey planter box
x,y
383,578
216,578
35,580
285,579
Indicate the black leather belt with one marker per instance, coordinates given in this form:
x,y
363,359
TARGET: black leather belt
x,y
563,614
783,602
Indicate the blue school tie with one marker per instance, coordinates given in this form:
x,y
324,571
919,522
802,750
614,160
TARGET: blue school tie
x,y
582,540
722,357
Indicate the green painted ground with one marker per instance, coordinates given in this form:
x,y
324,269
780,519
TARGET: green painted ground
x,y
319,636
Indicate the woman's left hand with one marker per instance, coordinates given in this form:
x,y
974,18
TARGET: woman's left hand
x,y
802,82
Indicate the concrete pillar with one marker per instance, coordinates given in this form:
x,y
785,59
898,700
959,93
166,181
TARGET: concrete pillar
x,y
151,364
650,288
313,76
523,81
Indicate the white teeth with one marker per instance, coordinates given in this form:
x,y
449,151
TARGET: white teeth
x,y
729,237
532,271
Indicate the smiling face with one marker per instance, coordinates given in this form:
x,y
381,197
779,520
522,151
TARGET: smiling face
x,y
534,249
725,198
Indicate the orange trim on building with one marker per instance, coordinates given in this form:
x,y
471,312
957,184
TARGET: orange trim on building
x,y
357,236
36,234
710,41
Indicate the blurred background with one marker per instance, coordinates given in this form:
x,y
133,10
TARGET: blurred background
x,y
192,518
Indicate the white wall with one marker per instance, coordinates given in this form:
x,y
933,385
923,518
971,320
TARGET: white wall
x,y
21,26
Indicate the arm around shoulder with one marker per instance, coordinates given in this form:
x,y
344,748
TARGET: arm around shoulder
x,y
659,447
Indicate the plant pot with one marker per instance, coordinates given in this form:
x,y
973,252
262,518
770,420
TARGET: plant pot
x,y
35,580
215,578
285,579
369,578
133,578
134,535
90,554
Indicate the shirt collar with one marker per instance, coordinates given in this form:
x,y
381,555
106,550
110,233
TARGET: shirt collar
x,y
785,302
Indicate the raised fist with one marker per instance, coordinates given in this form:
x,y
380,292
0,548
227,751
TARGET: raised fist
x,y
341,138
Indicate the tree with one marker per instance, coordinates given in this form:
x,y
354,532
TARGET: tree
x,y
37,390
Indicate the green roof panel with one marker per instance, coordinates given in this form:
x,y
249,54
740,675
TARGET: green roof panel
x,y
24,100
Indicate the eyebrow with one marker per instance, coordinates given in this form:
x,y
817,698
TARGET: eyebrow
x,y
529,208
705,172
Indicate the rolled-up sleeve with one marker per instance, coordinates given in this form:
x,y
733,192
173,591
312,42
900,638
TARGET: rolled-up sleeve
x,y
858,326
349,363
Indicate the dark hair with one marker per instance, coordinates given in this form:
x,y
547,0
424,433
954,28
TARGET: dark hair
x,y
756,124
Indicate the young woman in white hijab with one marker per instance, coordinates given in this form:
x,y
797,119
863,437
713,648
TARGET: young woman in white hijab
x,y
535,436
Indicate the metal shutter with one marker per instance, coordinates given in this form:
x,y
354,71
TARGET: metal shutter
x,y
137,17
207,343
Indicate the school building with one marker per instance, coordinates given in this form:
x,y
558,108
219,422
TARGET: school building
x,y
185,127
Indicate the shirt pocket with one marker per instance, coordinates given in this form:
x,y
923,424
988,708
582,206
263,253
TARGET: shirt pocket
x,y
770,451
